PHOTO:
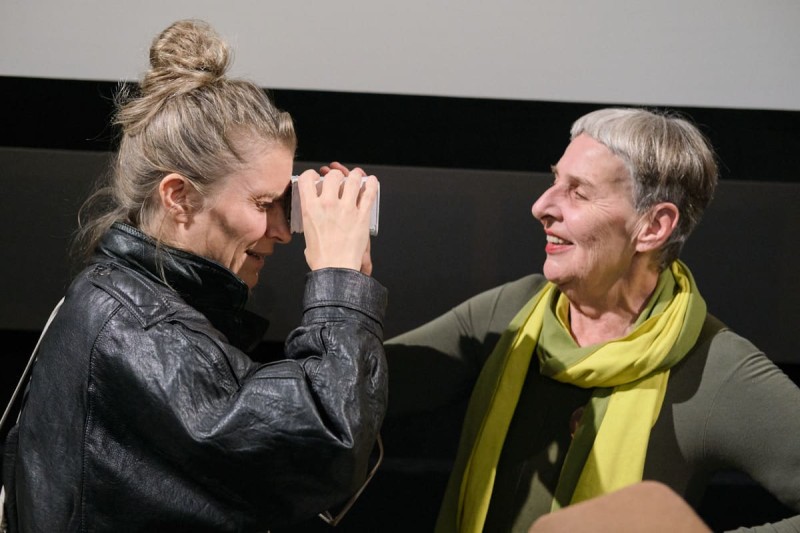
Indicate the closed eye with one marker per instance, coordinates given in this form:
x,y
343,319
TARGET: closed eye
x,y
576,192
267,203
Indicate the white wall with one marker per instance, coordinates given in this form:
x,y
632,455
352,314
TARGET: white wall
x,y
711,53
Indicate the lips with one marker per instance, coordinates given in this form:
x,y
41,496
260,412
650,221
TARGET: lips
x,y
256,255
556,244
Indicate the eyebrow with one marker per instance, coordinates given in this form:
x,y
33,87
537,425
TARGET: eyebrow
x,y
581,181
271,196
265,198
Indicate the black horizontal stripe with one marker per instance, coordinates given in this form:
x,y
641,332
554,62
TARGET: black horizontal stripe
x,y
406,130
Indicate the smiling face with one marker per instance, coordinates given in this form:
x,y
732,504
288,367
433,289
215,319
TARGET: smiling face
x,y
243,218
589,220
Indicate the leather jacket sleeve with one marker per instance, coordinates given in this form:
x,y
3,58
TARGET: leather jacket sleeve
x,y
279,441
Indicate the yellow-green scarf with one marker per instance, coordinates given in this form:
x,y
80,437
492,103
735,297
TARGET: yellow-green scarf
x,y
629,376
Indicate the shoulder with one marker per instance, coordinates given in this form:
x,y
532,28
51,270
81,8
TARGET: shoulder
x,y
725,379
740,412
719,357
741,370
123,304
730,356
142,324
143,298
136,297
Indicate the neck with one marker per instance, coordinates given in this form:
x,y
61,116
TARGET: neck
x,y
611,313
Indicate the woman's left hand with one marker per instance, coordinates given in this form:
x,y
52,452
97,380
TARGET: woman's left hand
x,y
335,165
336,217
366,262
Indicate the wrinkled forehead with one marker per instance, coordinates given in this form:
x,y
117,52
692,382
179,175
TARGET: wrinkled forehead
x,y
587,157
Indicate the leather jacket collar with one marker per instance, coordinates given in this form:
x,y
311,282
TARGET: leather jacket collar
x,y
204,284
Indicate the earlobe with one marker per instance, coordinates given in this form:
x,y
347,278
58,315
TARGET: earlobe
x,y
661,221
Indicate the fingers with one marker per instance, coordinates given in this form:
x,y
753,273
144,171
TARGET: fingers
x,y
306,184
351,186
330,188
311,185
367,193
335,165
336,183
336,215
347,187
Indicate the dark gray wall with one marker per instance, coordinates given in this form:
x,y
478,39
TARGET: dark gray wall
x,y
445,234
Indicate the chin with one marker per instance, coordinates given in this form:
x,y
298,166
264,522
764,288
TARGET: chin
x,y
249,279
558,278
551,272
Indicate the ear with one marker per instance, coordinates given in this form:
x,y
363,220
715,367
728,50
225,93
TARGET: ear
x,y
658,225
175,194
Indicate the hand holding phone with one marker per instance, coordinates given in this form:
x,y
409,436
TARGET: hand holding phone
x,y
294,207
337,215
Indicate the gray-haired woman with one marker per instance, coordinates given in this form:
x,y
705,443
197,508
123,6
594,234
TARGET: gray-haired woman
x,y
608,369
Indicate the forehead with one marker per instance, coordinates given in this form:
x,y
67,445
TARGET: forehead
x,y
266,174
590,161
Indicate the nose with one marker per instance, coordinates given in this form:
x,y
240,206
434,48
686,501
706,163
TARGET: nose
x,y
544,206
278,226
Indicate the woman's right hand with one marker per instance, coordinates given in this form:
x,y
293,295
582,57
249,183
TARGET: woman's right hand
x,y
336,217
335,165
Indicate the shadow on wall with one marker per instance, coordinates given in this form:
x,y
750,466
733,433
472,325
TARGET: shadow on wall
x,y
445,234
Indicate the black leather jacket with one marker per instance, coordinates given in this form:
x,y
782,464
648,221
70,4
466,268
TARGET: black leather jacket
x,y
145,414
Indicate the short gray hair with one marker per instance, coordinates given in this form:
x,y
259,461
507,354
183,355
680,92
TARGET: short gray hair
x,y
668,158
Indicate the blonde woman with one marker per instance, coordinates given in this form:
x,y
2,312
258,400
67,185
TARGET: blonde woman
x,y
144,411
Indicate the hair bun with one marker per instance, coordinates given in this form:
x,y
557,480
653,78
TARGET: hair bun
x,y
189,48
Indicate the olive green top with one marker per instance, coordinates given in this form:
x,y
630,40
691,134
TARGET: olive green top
x,y
727,406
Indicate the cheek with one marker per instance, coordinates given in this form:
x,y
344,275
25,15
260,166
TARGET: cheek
x,y
601,233
228,237
244,228
588,228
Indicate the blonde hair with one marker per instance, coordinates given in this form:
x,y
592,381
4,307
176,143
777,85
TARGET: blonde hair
x,y
186,117
668,158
